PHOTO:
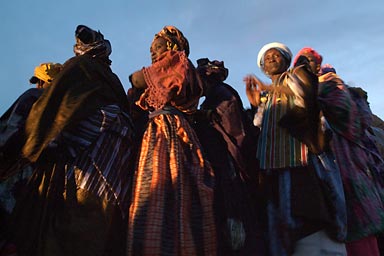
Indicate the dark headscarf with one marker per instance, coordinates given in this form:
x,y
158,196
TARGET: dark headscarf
x,y
214,69
175,38
91,42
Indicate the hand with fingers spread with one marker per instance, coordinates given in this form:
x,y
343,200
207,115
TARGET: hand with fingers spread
x,y
253,87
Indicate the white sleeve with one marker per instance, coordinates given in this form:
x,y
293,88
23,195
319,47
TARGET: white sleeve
x,y
294,85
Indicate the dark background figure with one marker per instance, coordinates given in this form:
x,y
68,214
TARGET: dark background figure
x,y
14,169
229,142
78,137
12,122
138,115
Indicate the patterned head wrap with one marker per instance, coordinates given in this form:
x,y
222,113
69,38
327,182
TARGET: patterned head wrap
x,y
308,50
46,72
214,69
175,39
91,42
287,54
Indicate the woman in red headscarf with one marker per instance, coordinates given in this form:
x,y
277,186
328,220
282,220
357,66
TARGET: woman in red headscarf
x,y
172,202
349,118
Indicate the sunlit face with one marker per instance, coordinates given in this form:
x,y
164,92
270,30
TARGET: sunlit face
x,y
274,62
158,47
315,67
41,84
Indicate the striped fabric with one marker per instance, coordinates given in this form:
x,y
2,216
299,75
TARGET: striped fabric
x,y
103,168
172,202
276,147
71,205
83,134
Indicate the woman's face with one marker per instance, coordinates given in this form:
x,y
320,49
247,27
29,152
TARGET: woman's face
x,y
158,47
315,67
274,62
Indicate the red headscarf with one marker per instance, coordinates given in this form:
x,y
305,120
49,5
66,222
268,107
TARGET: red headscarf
x,y
308,50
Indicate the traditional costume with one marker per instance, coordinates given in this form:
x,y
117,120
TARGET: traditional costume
x,y
172,200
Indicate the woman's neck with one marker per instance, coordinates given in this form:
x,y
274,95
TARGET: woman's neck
x,y
275,78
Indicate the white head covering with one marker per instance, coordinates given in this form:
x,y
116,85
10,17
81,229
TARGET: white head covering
x,y
275,45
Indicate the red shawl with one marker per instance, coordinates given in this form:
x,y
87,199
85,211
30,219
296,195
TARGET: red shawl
x,y
172,81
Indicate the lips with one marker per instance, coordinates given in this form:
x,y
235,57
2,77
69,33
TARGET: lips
x,y
154,59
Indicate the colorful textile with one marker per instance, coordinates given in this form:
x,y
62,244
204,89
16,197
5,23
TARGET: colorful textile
x,y
169,82
276,147
175,38
172,205
360,164
336,103
302,189
172,194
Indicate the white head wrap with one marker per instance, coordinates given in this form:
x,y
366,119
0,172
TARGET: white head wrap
x,y
275,45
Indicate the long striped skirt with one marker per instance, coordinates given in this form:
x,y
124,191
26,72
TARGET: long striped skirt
x,y
172,201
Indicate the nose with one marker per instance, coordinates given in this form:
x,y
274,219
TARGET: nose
x,y
151,51
271,59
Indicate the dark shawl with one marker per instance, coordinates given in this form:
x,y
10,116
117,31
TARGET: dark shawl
x,y
84,85
12,124
304,123
233,125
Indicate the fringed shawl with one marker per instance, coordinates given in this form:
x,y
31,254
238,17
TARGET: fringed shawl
x,y
171,81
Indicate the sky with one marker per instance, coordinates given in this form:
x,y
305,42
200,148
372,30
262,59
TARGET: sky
x,y
348,34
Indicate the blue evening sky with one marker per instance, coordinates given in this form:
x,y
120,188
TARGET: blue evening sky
x,y
349,35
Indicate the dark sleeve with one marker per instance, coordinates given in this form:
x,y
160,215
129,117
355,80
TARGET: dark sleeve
x,y
304,123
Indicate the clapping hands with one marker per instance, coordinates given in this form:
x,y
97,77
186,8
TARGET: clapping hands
x,y
253,87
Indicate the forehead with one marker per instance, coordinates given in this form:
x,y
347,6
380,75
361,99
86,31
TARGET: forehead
x,y
272,51
159,41
310,57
